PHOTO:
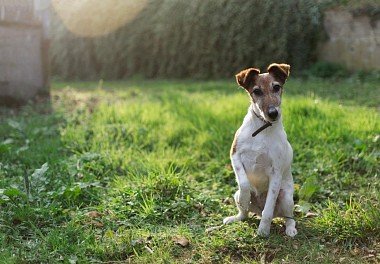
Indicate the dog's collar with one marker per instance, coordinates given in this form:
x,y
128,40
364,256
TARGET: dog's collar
x,y
266,124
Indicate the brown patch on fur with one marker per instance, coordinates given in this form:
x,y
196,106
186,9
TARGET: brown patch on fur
x,y
258,203
265,82
247,77
251,79
279,71
234,144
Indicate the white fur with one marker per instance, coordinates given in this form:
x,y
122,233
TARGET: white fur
x,y
262,168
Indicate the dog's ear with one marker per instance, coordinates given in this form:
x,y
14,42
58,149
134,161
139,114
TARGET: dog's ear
x,y
246,77
279,71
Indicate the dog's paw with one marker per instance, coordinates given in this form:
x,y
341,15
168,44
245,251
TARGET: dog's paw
x,y
263,230
231,219
291,231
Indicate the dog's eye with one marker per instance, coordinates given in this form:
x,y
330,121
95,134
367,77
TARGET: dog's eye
x,y
276,88
257,92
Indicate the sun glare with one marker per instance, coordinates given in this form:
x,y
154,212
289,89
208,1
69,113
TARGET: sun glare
x,y
91,18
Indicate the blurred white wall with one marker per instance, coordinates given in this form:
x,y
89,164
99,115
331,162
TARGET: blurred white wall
x,y
23,50
353,41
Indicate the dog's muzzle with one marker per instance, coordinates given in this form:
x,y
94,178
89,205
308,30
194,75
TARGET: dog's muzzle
x,y
272,113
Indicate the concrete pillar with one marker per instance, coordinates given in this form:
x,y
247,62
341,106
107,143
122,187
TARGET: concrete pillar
x,y
24,42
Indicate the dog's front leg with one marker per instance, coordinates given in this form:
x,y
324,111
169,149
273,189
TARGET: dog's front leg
x,y
267,214
243,195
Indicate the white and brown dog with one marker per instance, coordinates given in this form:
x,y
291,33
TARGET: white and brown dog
x,y
261,154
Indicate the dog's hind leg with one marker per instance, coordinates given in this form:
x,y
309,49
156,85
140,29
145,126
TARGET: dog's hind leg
x,y
286,204
243,213
243,195
290,223
257,203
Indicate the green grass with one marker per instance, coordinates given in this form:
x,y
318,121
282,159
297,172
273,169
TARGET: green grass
x,y
116,171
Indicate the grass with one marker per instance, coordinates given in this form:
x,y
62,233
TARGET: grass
x,y
128,171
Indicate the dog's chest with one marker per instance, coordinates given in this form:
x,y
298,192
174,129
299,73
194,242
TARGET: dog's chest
x,y
256,163
260,155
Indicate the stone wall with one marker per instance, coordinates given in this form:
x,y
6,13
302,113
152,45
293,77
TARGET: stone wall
x,y
353,41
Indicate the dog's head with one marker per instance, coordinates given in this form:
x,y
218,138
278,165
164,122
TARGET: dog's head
x,y
265,89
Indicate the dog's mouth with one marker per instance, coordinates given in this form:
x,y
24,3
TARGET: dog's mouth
x,y
267,118
272,120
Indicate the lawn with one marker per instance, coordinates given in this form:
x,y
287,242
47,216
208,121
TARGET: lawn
x,y
136,171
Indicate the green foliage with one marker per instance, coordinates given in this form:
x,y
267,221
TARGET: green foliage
x,y
351,222
325,69
363,76
118,170
197,39
335,71
308,188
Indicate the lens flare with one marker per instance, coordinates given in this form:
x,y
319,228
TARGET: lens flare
x,y
91,18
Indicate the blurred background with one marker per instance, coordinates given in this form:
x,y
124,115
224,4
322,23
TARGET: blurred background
x,y
118,39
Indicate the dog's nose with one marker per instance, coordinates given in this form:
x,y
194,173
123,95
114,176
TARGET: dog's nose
x,y
272,112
